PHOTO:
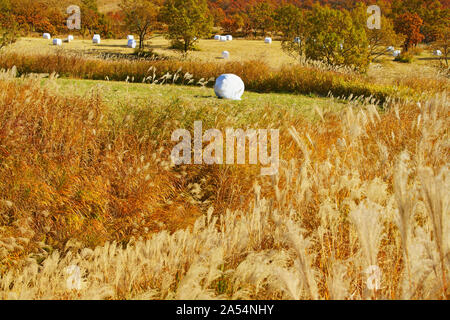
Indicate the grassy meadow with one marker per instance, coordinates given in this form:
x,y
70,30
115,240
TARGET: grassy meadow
x,y
209,50
86,178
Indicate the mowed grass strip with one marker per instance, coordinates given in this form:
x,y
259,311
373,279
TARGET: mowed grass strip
x,y
119,94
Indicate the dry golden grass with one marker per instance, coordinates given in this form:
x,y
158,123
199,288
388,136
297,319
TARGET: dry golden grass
x,y
307,78
356,188
241,50
209,50
264,68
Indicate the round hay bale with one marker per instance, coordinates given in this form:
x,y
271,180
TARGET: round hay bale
x,y
268,40
96,39
131,43
69,38
57,42
225,55
229,37
229,86
396,53
47,36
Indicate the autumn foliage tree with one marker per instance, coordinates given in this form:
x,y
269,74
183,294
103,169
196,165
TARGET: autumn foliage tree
x,y
442,43
8,35
141,17
378,38
231,25
187,21
260,17
409,25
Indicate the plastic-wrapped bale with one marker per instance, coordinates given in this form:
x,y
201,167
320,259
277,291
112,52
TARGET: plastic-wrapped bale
x,y
396,53
57,42
225,54
131,43
390,49
47,36
229,37
223,38
229,86
437,52
96,39
216,37
130,37
268,40
69,38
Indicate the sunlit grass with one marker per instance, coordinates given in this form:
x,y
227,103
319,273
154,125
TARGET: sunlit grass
x,y
118,94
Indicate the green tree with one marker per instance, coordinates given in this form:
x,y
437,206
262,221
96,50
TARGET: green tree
x,y
141,17
378,39
336,38
187,21
291,24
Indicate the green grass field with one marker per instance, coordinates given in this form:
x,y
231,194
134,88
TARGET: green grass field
x,y
118,94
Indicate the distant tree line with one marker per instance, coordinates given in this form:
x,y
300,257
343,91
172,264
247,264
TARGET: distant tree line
x,y
330,30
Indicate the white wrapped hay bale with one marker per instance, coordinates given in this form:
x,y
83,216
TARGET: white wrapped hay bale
x,y
223,39
216,37
268,40
229,37
131,43
229,86
47,36
57,42
69,38
390,49
396,53
96,39
130,37
437,53
225,55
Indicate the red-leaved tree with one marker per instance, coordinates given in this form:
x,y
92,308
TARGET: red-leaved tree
x,y
409,25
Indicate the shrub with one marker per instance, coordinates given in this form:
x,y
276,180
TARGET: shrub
x,y
404,57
